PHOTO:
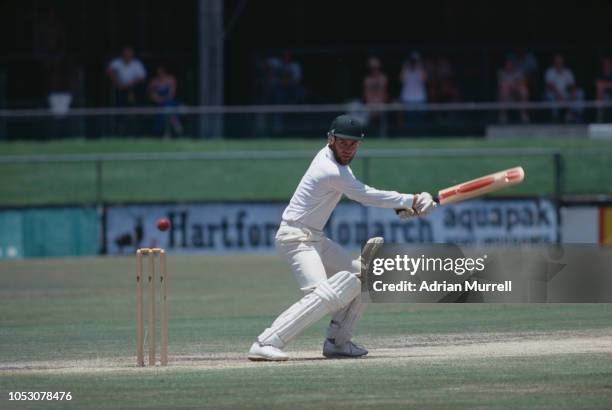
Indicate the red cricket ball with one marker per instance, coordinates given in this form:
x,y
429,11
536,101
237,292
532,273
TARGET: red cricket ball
x,y
163,224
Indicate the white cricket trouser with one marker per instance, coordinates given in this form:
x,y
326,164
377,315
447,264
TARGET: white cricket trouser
x,y
313,259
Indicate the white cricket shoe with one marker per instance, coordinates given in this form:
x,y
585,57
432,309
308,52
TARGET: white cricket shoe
x,y
268,353
348,349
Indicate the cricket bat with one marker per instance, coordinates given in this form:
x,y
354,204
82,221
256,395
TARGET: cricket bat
x,y
480,186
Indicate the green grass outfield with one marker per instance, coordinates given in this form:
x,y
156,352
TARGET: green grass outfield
x,y
197,180
68,325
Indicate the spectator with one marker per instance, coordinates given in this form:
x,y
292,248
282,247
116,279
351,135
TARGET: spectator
x,y
375,86
561,87
271,81
603,86
512,86
291,91
414,79
162,92
528,64
282,85
127,74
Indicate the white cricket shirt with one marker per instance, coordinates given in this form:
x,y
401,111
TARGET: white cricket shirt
x,y
323,185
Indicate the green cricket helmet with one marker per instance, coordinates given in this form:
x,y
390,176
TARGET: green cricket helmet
x,y
347,127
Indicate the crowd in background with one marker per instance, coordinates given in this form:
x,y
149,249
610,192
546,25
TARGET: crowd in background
x,y
63,74
279,81
432,79
517,82
130,89
421,79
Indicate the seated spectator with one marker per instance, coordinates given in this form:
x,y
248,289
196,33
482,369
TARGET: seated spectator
x,y
527,62
603,86
375,86
512,87
414,79
162,92
561,87
127,74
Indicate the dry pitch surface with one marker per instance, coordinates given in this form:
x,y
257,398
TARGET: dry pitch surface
x,y
408,351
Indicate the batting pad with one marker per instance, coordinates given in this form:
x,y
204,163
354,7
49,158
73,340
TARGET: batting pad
x,y
328,296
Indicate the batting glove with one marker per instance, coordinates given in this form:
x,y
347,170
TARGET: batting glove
x,y
423,204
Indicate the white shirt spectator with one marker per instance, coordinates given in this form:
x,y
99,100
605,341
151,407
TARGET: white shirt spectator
x,y
413,85
561,80
127,73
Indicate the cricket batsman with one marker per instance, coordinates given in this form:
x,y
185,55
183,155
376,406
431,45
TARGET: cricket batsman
x,y
325,272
